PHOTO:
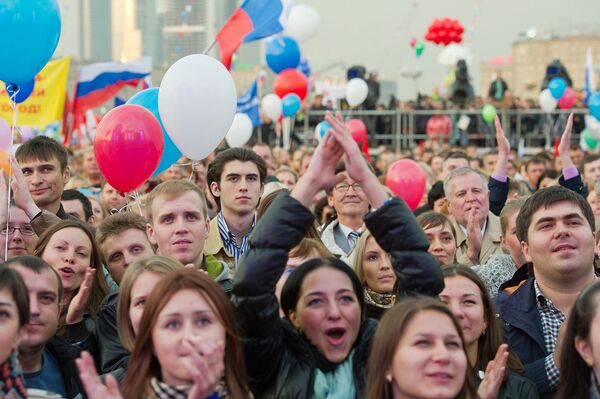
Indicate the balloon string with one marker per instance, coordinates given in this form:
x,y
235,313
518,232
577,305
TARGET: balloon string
x,y
194,163
13,105
137,201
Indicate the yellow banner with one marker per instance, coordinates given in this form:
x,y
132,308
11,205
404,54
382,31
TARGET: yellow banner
x,y
46,103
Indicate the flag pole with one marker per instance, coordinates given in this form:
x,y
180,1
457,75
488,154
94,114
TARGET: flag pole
x,y
210,46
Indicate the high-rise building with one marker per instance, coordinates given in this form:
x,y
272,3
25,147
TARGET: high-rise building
x,y
150,21
86,30
126,36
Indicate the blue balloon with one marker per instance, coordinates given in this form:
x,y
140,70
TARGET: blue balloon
x,y
557,87
304,67
290,104
30,30
594,104
149,99
282,53
23,91
325,127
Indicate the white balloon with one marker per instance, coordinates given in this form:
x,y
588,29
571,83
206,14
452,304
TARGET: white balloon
x,y
547,102
197,101
302,23
271,106
593,126
240,131
356,92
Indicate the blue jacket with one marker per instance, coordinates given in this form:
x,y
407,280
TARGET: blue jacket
x,y
524,334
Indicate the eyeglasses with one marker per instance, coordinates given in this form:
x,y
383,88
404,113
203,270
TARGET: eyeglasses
x,y
26,230
343,187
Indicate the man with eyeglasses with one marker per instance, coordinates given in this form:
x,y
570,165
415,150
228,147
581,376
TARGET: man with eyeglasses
x,y
351,206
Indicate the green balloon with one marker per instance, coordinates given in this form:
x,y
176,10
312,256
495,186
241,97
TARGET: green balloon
x,y
419,47
488,112
589,140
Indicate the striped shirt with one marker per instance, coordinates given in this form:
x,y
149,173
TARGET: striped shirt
x,y
229,239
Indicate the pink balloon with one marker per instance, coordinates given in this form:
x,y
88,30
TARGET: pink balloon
x,y
406,179
5,135
357,129
128,146
568,99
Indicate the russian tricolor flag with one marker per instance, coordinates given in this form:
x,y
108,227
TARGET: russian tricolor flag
x,y
253,20
100,82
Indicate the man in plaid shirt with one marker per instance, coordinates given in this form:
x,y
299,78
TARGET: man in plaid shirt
x,y
556,230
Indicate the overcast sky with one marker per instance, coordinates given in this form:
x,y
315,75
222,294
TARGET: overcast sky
x,y
376,33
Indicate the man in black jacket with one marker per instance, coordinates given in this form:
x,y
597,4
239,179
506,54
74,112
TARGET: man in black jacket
x,y
48,362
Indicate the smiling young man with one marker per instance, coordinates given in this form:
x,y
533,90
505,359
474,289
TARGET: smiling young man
x,y
43,162
236,178
556,230
48,362
477,229
178,225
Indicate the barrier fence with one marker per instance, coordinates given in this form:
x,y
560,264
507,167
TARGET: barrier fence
x,y
404,129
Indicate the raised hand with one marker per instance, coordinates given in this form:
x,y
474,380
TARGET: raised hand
x,y
565,144
206,364
94,388
22,196
356,165
78,303
321,171
501,167
474,236
494,374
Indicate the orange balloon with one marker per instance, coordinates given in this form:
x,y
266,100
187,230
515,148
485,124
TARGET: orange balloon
x,y
4,160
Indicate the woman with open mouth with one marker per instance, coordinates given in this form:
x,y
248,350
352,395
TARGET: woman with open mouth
x,y
70,248
320,347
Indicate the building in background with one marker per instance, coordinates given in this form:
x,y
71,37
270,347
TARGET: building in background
x,y
525,68
126,37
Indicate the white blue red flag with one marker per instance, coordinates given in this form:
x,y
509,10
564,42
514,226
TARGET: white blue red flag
x,y
253,20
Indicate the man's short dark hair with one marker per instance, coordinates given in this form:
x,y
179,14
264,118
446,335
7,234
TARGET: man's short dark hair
x,y
215,168
546,198
118,223
588,158
42,148
38,266
536,160
456,155
70,195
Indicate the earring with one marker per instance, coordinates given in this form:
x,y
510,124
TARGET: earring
x,y
388,378
484,330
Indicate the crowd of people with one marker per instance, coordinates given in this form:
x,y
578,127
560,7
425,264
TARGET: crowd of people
x,y
266,273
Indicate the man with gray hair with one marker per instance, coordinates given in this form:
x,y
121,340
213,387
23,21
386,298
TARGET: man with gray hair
x,y
477,229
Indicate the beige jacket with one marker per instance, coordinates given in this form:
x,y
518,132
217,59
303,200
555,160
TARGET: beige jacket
x,y
490,244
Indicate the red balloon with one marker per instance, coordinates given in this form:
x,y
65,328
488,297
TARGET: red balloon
x,y
358,130
128,146
568,99
290,81
359,133
406,179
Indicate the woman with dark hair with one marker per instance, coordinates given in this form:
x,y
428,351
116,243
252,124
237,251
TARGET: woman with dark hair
x,y
319,349
70,248
466,296
14,316
418,351
187,346
580,355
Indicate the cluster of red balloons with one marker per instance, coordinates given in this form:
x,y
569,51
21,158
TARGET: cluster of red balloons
x,y
445,31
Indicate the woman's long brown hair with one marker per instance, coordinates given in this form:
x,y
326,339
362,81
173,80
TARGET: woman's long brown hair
x,y
144,365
